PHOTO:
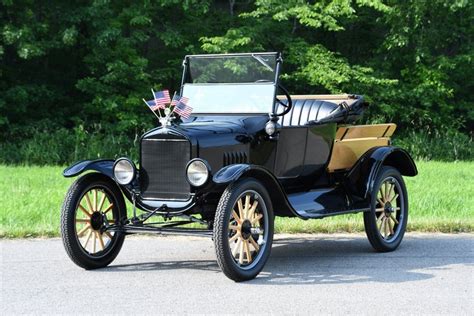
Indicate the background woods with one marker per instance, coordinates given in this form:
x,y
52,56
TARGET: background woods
x,y
73,72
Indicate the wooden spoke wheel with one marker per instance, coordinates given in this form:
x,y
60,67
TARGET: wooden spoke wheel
x,y
387,210
94,212
92,203
243,229
386,223
247,228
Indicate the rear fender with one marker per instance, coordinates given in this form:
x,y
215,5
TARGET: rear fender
x,y
232,173
360,179
103,166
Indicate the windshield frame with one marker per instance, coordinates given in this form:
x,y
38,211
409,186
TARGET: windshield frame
x,y
278,60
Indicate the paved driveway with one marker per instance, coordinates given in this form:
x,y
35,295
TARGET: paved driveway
x,y
306,274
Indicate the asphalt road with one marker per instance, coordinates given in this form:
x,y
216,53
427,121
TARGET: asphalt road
x,y
306,274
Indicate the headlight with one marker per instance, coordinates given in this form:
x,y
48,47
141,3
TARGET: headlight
x,y
270,128
124,171
197,172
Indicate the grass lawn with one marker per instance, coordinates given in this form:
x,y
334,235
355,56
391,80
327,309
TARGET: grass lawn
x,y
441,199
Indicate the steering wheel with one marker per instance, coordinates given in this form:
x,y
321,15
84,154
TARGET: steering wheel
x,y
288,105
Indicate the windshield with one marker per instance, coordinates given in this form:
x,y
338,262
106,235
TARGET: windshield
x,y
232,83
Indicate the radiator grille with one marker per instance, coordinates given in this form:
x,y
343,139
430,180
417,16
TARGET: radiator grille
x,y
162,169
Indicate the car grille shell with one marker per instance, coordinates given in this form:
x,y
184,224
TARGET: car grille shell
x,y
163,168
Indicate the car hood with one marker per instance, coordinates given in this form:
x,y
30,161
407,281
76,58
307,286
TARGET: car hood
x,y
214,137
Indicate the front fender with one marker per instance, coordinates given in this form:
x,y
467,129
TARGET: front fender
x,y
103,166
232,173
360,179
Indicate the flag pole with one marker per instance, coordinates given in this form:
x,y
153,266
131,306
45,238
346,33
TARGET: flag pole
x,y
151,109
171,111
159,112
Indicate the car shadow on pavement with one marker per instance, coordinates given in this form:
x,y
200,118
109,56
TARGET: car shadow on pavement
x,y
339,259
205,265
352,260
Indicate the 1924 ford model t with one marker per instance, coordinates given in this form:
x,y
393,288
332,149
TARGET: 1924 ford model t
x,y
245,155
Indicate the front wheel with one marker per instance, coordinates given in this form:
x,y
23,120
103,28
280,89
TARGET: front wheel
x,y
386,222
91,202
243,229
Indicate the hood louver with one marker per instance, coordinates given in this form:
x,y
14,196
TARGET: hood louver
x,y
231,158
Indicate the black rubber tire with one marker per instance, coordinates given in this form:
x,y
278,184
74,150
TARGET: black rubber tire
x,y
370,222
220,233
68,213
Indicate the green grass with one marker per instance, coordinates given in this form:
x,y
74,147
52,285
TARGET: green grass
x,y
441,200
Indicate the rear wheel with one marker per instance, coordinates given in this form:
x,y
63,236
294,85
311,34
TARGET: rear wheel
x,y
243,229
386,222
92,202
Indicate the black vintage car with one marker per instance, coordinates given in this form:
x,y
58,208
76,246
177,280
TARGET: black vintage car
x,y
249,152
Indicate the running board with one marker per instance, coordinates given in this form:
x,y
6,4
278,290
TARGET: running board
x,y
322,203
149,229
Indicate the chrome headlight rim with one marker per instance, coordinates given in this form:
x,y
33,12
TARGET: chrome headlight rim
x,y
133,171
270,128
203,163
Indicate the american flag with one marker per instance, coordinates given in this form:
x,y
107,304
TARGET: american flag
x,y
181,106
175,100
162,98
152,104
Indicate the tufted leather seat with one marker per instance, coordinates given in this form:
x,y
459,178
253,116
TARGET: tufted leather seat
x,y
306,110
320,109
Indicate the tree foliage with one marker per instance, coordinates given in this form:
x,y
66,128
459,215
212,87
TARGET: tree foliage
x,y
70,64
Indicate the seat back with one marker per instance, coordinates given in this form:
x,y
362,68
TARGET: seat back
x,y
304,111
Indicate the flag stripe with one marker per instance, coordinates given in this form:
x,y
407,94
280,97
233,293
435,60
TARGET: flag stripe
x,y
162,98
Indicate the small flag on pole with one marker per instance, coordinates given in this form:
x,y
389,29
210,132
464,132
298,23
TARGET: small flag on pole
x,y
161,98
152,105
175,100
181,107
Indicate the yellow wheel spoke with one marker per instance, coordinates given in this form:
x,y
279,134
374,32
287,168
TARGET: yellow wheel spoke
x,y
247,206
380,201
96,192
108,208
254,243
394,198
108,235
381,224
82,220
252,209
381,216
88,238
233,227
390,226
83,230
390,189
247,251
93,242
257,218
101,241
233,238
379,209
102,200
394,219
381,194
89,204
241,209
236,217
84,210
